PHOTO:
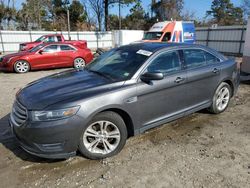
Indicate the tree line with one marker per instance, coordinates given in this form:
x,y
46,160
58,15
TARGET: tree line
x,y
95,14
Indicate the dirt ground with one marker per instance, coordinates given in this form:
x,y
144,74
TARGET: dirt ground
x,y
201,150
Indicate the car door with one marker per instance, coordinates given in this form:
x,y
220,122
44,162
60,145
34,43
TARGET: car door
x,y
66,55
203,74
46,57
162,99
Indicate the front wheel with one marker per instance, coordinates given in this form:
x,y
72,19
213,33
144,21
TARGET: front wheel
x,y
104,136
79,63
21,66
221,98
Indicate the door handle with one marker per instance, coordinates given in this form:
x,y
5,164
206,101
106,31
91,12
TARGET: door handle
x,y
179,79
216,70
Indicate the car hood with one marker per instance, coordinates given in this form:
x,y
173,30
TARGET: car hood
x,y
18,54
68,85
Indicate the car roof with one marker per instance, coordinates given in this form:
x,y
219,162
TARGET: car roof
x,y
48,35
155,46
57,43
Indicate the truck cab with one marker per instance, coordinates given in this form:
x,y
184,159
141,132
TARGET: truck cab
x,y
44,38
171,31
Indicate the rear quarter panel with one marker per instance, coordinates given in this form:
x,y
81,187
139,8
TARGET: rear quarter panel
x,y
230,72
86,54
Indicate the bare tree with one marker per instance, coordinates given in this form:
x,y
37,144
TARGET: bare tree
x,y
2,12
246,9
89,19
167,9
188,15
98,10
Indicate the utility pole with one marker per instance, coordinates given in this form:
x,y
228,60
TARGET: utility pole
x,y
68,24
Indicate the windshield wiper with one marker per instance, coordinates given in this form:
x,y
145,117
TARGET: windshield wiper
x,y
101,74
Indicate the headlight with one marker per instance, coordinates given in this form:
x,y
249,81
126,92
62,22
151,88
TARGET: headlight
x,y
54,114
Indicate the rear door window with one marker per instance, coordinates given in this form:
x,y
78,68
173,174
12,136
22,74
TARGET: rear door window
x,y
194,58
66,48
165,62
211,59
59,38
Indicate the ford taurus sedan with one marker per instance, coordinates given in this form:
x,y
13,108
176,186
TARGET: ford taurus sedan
x,y
122,93
46,56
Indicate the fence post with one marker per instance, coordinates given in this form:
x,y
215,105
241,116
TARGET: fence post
x,y
208,32
113,38
77,35
2,41
97,39
241,38
30,36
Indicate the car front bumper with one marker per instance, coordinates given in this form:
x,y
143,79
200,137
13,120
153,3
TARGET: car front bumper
x,y
6,67
53,139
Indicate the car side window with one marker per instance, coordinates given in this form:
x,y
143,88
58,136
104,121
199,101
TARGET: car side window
x,y
51,48
211,59
194,58
51,39
166,37
165,63
59,38
66,48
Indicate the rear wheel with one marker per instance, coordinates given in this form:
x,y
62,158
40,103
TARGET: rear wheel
x,y
104,136
21,66
221,98
79,63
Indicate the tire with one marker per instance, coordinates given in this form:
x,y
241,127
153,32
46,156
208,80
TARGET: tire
x,y
221,98
79,63
107,143
21,66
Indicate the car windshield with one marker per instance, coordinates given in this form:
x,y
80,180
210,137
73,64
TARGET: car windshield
x,y
152,36
40,39
36,48
120,63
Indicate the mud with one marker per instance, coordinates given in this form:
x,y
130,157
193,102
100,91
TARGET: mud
x,y
201,150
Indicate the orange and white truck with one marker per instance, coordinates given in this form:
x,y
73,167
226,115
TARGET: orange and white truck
x,y
171,31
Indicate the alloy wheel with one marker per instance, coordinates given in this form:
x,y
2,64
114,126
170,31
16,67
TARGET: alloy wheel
x,y
101,137
79,63
222,98
22,66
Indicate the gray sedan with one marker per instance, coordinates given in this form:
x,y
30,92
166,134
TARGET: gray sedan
x,y
123,92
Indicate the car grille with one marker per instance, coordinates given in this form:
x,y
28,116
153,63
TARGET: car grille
x,y
19,114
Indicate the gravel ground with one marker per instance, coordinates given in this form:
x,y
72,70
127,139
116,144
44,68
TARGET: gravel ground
x,y
201,150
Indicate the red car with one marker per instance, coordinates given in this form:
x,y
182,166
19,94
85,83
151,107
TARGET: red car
x,y
51,38
45,56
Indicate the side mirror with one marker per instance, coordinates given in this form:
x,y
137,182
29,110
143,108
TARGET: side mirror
x,y
40,51
149,76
